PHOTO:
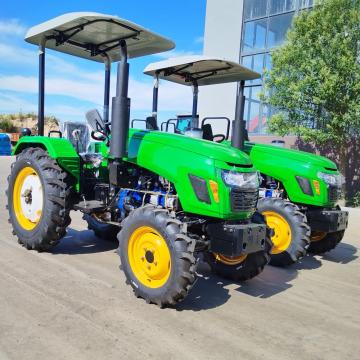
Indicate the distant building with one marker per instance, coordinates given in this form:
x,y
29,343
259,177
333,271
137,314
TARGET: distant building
x,y
245,31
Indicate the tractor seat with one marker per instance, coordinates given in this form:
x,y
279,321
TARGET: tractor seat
x,y
151,123
207,132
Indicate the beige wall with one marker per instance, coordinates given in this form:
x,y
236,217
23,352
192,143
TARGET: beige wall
x,y
222,39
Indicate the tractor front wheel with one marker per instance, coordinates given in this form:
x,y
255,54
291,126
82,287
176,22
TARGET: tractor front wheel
x,y
324,242
157,256
38,199
243,267
291,232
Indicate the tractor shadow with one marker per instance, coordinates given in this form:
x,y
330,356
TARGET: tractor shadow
x,y
211,291
272,281
342,254
82,242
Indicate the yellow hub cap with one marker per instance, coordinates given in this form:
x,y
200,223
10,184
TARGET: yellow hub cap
x,y
282,231
149,257
230,260
28,198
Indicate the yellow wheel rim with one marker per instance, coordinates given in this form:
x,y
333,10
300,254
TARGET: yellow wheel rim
x,y
28,198
149,257
230,260
317,236
282,231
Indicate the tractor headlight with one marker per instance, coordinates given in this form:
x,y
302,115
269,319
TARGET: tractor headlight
x,y
331,179
243,180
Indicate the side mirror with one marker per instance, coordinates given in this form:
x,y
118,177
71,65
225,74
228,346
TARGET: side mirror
x,y
95,121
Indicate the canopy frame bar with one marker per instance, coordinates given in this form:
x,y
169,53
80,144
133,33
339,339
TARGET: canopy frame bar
x,y
190,77
62,38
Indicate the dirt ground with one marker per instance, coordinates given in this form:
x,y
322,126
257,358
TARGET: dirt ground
x,y
73,303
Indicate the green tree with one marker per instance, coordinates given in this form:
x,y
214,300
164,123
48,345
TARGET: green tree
x,y
314,82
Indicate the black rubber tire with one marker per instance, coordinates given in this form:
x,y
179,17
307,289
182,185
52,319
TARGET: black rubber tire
x,y
57,200
183,263
103,231
329,242
300,230
252,266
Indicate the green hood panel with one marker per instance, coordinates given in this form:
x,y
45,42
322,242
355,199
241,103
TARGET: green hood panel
x,y
285,164
287,154
212,150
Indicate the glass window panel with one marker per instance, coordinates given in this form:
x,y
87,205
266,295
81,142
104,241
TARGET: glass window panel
x,y
247,61
280,6
254,35
258,66
278,26
246,110
305,3
267,61
255,93
254,123
247,92
254,9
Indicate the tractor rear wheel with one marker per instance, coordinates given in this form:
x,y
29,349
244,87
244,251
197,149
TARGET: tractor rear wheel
x,y
157,256
291,232
38,199
243,267
102,230
324,242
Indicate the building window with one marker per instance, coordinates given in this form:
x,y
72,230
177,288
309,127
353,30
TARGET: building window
x,y
255,35
278,27
254,9
265,24
281,6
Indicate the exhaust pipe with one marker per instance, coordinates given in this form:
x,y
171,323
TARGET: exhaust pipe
x,y
238,125
120,108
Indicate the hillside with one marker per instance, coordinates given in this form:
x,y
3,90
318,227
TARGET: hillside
x,y
12,123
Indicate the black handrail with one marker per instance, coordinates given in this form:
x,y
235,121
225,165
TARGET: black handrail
x,y
137,120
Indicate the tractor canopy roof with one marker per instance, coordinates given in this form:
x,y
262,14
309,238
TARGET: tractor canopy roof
x,y
92,36
203,70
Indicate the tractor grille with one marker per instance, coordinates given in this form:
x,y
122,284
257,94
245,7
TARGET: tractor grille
x,y
243,200
333,193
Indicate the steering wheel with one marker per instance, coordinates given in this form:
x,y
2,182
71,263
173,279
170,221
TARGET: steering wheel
x,y
221,136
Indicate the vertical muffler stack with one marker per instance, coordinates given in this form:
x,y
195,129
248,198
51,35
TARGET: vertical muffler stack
x,y
120,116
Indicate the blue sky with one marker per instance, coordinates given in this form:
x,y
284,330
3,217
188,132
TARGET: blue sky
x,y
76,85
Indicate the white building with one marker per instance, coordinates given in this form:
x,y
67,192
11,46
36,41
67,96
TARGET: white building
x,y
245,31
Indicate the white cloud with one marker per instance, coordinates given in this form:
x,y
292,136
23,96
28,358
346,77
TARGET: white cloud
x,y
199,40
176,53
68,79
11,27
172,97
11,103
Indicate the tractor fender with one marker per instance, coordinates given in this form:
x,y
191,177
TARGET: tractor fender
x,y
58,148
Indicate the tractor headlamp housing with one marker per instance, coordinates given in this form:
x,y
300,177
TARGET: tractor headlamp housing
x,y
331,179
244,180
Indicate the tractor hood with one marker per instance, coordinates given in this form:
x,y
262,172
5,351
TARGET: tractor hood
x,y
276,152
212,150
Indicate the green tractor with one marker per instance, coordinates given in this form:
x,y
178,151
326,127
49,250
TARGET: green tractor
x,y
298,190
169,198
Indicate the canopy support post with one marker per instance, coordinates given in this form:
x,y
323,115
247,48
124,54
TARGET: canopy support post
x,y
155,95
107,92
41,100
195,121
238,127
